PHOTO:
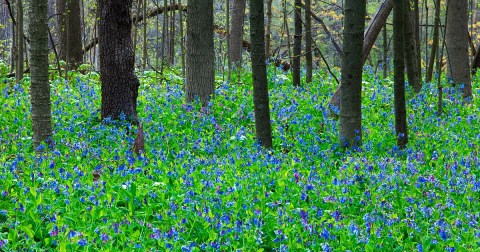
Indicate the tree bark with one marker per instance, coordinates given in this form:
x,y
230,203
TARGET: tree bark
x,y
69,32
119,83
410,48
236,31
40,87
19,41
297,43
457,45
435,44
352,68
200,51
399,74
268,37
308,41
259,75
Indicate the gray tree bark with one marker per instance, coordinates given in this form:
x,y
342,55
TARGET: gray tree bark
x,y
236,31
40,87
352,68
458,69
200,51
19,41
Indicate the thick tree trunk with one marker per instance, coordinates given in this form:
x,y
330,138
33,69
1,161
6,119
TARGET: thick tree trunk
x,y
268,37
259,75
200,51
308,41
435,44
40,87
19,41
297,44
236,31
399,74
61,9
119,83
352,68
410,48
457,45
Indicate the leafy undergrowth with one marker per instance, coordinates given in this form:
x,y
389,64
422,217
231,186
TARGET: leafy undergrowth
x,y
205,185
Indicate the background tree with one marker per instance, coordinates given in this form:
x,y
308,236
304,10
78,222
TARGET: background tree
x,y
458,68
236,32
399,73
19,41
352,68
119,82
200,50
297,43
40,87
259,74
69,31
308,41
410,41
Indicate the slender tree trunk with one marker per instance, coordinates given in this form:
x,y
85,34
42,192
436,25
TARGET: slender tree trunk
x,y
435,44
287,30
458,69
119,83
410,48
74,53
69,30
40,87
200,51
385,52
416,34
308,41
268,37
19,41
399,74
61,9
297,43
182,38
236,32
227,25
352,68
145,51
172,36
259,75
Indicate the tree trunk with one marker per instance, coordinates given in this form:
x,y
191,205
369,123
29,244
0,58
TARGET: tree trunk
x,y
308,41
19,41
410,48
385,52
297,43
259,75
416,34
119,83
399,73
40,87
435,44
352,68
371,35
172,36
144,47
200,51
268,37
69,30
457,45
375,26
74,54
236,32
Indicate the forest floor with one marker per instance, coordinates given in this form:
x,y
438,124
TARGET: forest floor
x,y
204,184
